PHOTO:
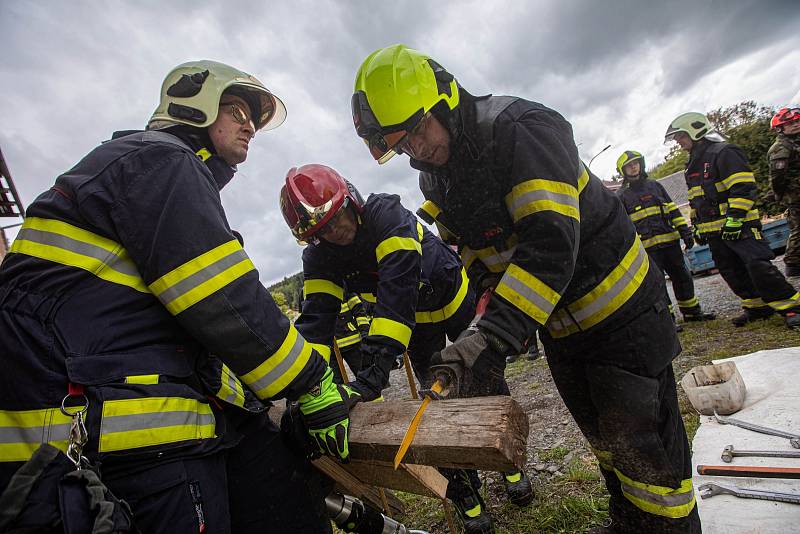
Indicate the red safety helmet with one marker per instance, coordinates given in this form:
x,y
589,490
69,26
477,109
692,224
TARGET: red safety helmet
x,y
313,194
784,117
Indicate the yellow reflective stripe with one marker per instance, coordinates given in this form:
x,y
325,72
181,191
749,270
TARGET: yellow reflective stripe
x,y
280,368
606,298
659,500
583,179
142,379
753,303
431,209
468,257
690,303
527,293
782,305
202,276
678,221
344,308
63,243
710,227
736,178
514,477
369,297
695,191
133,423
353,301
420,234
661,238
381,326
533,196
442,314
349,340
22,432
395,244
744,204
322,286
670,206
324,351
638,215
362,321
203,154
230,389
604,458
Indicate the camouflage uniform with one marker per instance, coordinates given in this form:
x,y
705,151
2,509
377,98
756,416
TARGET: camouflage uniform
x,y
784,175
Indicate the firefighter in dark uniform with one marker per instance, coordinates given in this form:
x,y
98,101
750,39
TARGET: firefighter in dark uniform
x,y
722,191
417,286
352,325
122,282
661,227
505,175
784,177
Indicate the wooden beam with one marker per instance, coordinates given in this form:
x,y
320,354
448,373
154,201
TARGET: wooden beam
x,y
419,479
488,433
349,484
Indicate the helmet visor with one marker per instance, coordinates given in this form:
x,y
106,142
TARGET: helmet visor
x,y
380,140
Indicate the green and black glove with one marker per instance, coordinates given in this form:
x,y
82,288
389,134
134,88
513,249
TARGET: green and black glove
x,y
326,410
699,238
732,230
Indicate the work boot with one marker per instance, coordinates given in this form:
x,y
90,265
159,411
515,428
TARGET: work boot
x,y
471,511
533,353
518,488
696,314
792,319
751,314
511,358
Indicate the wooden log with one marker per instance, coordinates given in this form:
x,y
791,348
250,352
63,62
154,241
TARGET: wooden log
x,y
418,479
350,484
488,433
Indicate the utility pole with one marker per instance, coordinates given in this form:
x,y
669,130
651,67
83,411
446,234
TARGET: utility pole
x,y
591,160
9,200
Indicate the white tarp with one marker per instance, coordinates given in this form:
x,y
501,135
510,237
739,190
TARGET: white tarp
x,y
772,379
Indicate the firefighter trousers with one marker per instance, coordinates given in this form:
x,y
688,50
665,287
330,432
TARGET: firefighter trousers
x,y
792,255
670,260
746,266
620,388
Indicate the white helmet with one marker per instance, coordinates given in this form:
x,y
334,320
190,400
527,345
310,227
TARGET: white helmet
x,y
191,92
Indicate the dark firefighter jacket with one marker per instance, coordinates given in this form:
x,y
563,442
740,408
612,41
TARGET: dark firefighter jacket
x,y
784,167
721,185
657,219
396,264
519,202
123,279
351,322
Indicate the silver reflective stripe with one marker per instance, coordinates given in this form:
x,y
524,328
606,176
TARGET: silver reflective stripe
x,y
542,194
278,371
108,259
127,423
676,499
35,434
233,384
529,294
501,258
201,276
609,295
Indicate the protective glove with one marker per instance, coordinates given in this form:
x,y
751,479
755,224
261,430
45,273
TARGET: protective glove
x,y
732,229
472,365
699,238
325,412
688,241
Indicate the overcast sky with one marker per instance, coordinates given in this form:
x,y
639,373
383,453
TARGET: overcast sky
x,y
619,71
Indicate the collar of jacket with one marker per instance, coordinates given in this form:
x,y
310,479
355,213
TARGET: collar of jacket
x,y
198,138
698,149
637,184
461,124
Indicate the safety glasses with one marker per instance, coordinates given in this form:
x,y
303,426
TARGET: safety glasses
x,y
238,114
382,141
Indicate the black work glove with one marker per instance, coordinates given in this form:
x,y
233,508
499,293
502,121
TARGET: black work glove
x,y
295,434
472,365
699,238
377,361
688,241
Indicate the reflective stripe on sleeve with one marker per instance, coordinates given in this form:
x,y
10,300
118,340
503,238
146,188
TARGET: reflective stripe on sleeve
x,y
22,432
695,192
744,204
661,238
444,313
202,276
324,351
638,215
381,326
63,243
369,297
231,389
733,179
322,286
281,368
348,341
395,244
431,209
527,293
533,196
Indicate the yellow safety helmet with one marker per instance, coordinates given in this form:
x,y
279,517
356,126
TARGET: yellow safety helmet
x,y
695,125
627,157
191,92
395,87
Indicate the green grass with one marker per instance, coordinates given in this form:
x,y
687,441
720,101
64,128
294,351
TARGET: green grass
x,y
577,500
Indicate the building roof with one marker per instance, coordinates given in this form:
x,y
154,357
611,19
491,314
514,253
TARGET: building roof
x,y
675,184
